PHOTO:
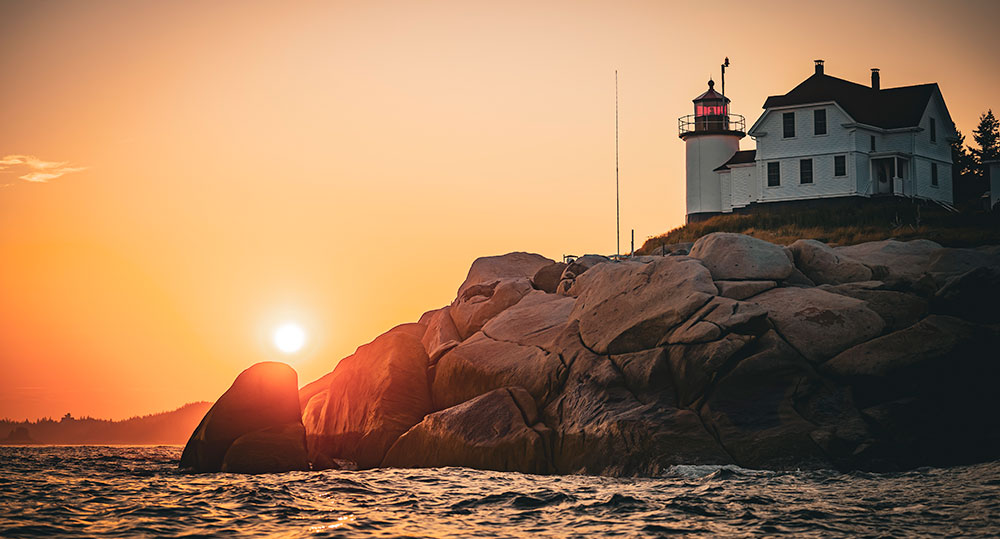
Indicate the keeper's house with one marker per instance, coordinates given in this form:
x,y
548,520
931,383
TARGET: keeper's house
x,y
826,138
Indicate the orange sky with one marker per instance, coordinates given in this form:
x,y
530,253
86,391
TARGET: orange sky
x,y
216,168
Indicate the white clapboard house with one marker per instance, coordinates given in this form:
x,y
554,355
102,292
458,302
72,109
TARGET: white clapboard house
x,y
825,138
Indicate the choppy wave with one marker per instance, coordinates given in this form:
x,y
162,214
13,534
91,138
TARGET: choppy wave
x,y
136,491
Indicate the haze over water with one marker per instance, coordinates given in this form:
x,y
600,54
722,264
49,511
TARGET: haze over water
x,y
136,491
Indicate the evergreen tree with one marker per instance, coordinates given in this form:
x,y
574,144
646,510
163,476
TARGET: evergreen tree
x,y
987,136
962,160
964,180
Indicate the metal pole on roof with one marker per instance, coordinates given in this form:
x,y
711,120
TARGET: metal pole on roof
x,y
618,211
725,64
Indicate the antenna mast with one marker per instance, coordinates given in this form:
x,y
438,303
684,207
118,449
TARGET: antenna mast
x,y
618,211
725,64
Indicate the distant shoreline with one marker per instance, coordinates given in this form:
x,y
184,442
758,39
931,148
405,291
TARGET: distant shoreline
x,y
166,428
5,443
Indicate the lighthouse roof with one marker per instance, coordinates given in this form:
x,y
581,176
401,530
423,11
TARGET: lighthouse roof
x,y
710,94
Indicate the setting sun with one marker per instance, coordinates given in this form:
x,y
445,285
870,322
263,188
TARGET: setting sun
x,y
289,338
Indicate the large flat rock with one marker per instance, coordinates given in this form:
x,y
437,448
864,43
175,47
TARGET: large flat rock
x,y
737,256
517,265
626,307
902,259
824,265
817,323
495,431
537,320
481,364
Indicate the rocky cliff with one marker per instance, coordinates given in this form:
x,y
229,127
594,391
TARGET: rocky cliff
x,y
879,356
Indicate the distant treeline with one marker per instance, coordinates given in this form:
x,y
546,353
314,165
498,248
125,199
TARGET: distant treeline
x,y
174,427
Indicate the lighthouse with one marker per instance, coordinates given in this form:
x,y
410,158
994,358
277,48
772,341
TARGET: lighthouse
x,y
711,136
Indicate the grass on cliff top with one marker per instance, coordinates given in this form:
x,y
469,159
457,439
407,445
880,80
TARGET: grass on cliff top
x,y
848,222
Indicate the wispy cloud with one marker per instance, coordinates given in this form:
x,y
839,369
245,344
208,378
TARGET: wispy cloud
x,y
34,169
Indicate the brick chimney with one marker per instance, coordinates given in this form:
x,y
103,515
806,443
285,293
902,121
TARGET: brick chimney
x,y
819,67
876,84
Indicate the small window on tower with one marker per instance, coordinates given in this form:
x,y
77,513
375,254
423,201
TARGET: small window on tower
x,y
805,171
933,130
840,165
934,175
788,124
873,143
773,174
819,121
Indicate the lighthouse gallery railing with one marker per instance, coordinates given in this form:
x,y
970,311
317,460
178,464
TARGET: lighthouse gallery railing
x,y
692,124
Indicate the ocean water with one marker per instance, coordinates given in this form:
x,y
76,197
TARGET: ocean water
x,y
137,491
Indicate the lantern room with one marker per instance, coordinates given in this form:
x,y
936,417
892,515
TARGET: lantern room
x,y
711,103
711,116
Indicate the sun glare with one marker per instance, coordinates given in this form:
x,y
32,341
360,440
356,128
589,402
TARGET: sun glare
x,y
289,338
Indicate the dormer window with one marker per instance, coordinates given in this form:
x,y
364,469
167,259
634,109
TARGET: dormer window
x,y
933,130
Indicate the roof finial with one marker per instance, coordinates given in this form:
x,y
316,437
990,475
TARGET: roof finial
x,y
711,83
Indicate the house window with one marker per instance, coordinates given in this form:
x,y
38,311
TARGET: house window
x,y
934,175
788,124
840,165
873,143
819,121
773,174
805,171
933,130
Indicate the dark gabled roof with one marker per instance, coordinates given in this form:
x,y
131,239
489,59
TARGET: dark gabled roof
x,y
889,108
741,157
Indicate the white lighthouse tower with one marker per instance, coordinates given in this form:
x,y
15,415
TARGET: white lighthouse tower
x,y
711,135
